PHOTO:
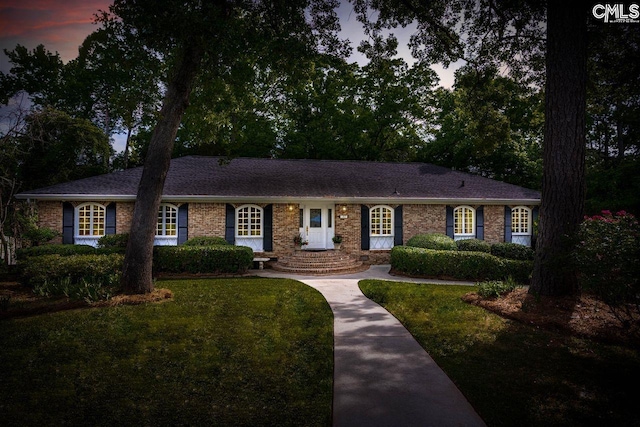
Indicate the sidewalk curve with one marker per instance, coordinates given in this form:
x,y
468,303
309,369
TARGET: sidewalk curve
x,y
382,377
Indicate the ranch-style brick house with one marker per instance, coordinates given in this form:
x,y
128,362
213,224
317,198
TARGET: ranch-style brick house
x,y
264,203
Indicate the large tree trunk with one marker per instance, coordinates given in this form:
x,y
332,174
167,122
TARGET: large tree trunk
x,y
137,270
563,186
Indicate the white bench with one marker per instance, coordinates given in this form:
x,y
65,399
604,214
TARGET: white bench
x,y
261,262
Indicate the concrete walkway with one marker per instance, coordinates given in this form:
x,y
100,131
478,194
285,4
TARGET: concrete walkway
x,y
382,377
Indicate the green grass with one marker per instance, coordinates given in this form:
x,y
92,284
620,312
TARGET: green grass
x,y
514,374
223,352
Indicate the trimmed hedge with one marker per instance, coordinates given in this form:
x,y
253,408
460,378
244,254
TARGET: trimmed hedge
x,y
512,251
202,259
206,241
474,245
38,270
114,241
458,265
433,241
57,249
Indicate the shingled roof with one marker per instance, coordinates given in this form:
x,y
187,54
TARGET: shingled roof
x,y
197,178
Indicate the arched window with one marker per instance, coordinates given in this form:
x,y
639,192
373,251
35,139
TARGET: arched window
x,y
90,223
381,227
464,223
167,226
91,220
521,225
167,220
249,226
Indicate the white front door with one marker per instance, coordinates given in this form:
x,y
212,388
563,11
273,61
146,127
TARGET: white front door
x,y
318,226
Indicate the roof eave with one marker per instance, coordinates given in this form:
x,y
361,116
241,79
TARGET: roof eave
x,y
282,199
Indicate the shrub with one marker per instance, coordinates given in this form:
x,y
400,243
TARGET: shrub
x,y
458,264
496,288
473,245
42,271
202,259
512,251
113,241
206,241
87,289
607,255
39,235
58,249
433,241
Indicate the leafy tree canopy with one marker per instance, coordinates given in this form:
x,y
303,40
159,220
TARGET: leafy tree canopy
x,y
56,148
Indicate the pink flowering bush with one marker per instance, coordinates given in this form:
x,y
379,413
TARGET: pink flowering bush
x,y
607,255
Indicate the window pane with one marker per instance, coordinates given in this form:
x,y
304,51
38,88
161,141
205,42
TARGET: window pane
x,y
171,221
520,221
381,222
463,220
386,221
375,222
243,222
248,220
98,220
457,229
167,221
315,218
301,218
84,221
160,222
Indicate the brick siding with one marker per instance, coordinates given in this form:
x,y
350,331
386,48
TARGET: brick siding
x,y
286,224
422,219
124,215
494,224
208,219
50,215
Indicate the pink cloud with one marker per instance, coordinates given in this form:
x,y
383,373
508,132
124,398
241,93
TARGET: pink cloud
x,y
58,25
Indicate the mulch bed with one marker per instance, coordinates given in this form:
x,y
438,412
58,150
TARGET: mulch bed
x,y
582,316
22,302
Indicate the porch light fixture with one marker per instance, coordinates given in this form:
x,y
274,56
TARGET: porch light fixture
x,y
344,208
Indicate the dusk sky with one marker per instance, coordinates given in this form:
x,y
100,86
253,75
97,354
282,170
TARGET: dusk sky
x,y
62,25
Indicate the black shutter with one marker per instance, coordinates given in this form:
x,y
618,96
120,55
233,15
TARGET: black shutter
x,y
507,224
267,233
480,223
68,212
364,228
230,225
110,220
397,227
449,228
183,223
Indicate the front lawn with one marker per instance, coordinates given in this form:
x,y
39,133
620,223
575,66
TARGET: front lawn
x,y
514,374
240,352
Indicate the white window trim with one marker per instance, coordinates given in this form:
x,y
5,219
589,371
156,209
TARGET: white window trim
x,y
164,222
520,238
90,239
529,221
238,209
254,242
462,236
383,241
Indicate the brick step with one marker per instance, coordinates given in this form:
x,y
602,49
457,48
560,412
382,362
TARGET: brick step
x,y
319,254
321,271
298,262
319,263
